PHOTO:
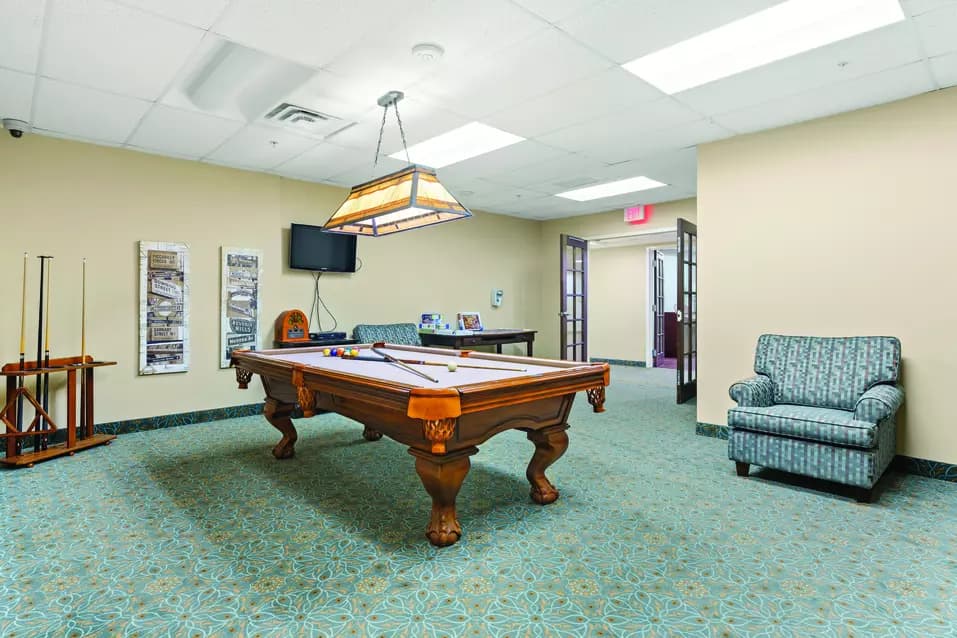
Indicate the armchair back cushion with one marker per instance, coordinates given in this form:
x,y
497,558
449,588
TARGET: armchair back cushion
x,y
406,334
826,372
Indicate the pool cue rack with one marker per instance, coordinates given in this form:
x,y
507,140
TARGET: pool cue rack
x,y
78,437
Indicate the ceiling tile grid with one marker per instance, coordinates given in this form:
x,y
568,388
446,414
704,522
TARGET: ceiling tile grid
x,y
118,72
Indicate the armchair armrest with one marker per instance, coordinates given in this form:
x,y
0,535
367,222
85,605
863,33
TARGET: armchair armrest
x,y
755,392
878,403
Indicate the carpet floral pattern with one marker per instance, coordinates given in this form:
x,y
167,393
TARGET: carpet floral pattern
x,y
198,531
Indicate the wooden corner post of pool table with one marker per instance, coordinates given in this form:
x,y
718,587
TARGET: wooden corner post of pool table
x,y
550,444
596,395
279,415
439,411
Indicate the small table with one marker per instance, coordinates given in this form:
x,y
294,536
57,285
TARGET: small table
x,y
495,337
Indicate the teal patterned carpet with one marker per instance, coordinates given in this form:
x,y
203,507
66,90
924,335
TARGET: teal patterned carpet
x,y
198,531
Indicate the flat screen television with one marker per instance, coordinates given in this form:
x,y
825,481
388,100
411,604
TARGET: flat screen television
x,y
311,248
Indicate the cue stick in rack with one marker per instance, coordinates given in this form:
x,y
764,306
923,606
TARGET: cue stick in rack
x,y
23,350
39,386
392,359
46,353
437,363
82,432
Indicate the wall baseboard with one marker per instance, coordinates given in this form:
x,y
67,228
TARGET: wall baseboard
x,y
907,464
618,362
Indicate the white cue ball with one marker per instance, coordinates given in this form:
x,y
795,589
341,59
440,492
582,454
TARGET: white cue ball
x,y
452,367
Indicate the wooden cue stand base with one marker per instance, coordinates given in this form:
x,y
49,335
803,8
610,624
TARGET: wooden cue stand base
x,y
87,438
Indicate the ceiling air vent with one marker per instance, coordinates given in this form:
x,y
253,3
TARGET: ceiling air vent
x,y
578,181
305,121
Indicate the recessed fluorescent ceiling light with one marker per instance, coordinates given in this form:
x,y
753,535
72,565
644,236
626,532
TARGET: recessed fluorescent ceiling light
x,y
776,33
459,144
630,185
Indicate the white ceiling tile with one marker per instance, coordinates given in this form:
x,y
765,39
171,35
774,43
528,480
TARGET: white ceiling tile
x,y
182,133
623,30
365,172
886,48
16,94
612,136
587,99
253,147
549,175
21,27
938,30
555,10
677,168
917,7
306,31
878,88
540,64
114,48
465,29
199,13
945,69
86,113
325,161
503,159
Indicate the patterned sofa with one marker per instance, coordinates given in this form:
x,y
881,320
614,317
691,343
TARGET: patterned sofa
x,y
819,406
406,334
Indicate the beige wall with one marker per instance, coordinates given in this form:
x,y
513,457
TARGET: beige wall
x,y
72,200
617,281
838,226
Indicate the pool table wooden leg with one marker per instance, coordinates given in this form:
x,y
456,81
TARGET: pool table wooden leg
x,y
442,477
371,435
550,444
278,414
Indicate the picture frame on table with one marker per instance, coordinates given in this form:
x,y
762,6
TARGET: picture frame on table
x,y
470,321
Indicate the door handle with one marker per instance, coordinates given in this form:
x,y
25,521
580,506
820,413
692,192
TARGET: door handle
x,y
678,316
562,314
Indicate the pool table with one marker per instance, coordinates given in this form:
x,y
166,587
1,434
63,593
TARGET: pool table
x,y
442,418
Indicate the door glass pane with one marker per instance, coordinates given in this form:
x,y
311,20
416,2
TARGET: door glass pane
x,y
686,307
569,257
686,338
689,363
569,282
694,249
579,259
579,283
694,277
578,307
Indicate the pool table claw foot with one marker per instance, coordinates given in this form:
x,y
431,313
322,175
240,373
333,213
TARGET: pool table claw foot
x,y
278,414
442,478
371,435
550,444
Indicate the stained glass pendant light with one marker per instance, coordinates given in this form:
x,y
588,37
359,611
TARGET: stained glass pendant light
x,y
409,198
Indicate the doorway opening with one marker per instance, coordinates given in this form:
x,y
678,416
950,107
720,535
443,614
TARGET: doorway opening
x,y
662,306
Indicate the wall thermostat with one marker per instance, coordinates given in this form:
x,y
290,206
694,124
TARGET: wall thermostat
x,y
497,294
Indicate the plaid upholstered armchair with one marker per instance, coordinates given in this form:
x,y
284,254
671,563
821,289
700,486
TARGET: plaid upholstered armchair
x,y
819,406
405,334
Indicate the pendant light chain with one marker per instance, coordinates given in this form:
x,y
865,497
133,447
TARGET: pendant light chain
x,y
378,146
402,132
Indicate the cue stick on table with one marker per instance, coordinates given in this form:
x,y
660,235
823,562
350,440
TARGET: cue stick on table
x,y
392,359
437,363
46,354
23,348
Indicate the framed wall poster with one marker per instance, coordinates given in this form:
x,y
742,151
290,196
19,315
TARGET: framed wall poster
x,y
240,324
164,307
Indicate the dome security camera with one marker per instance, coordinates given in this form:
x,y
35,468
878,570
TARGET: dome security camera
x,y
16,127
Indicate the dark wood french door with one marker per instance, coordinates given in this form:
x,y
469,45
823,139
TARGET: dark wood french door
x,y
687,310
573,311
658,308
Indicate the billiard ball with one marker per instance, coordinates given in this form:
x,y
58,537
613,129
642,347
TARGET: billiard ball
x,y
452,367
325,352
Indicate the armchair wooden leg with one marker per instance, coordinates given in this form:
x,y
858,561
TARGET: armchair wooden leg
x,y
742,468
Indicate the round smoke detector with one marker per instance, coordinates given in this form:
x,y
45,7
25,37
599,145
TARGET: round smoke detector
x,y
428,51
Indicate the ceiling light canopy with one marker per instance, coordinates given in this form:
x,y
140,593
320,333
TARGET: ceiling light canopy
x,y
776,33
610,189
409,198
459,144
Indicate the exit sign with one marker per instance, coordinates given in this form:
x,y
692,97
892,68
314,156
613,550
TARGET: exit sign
x,y
639,214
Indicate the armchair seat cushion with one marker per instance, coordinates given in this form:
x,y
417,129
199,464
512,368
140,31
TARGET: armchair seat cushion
x,y
827,425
